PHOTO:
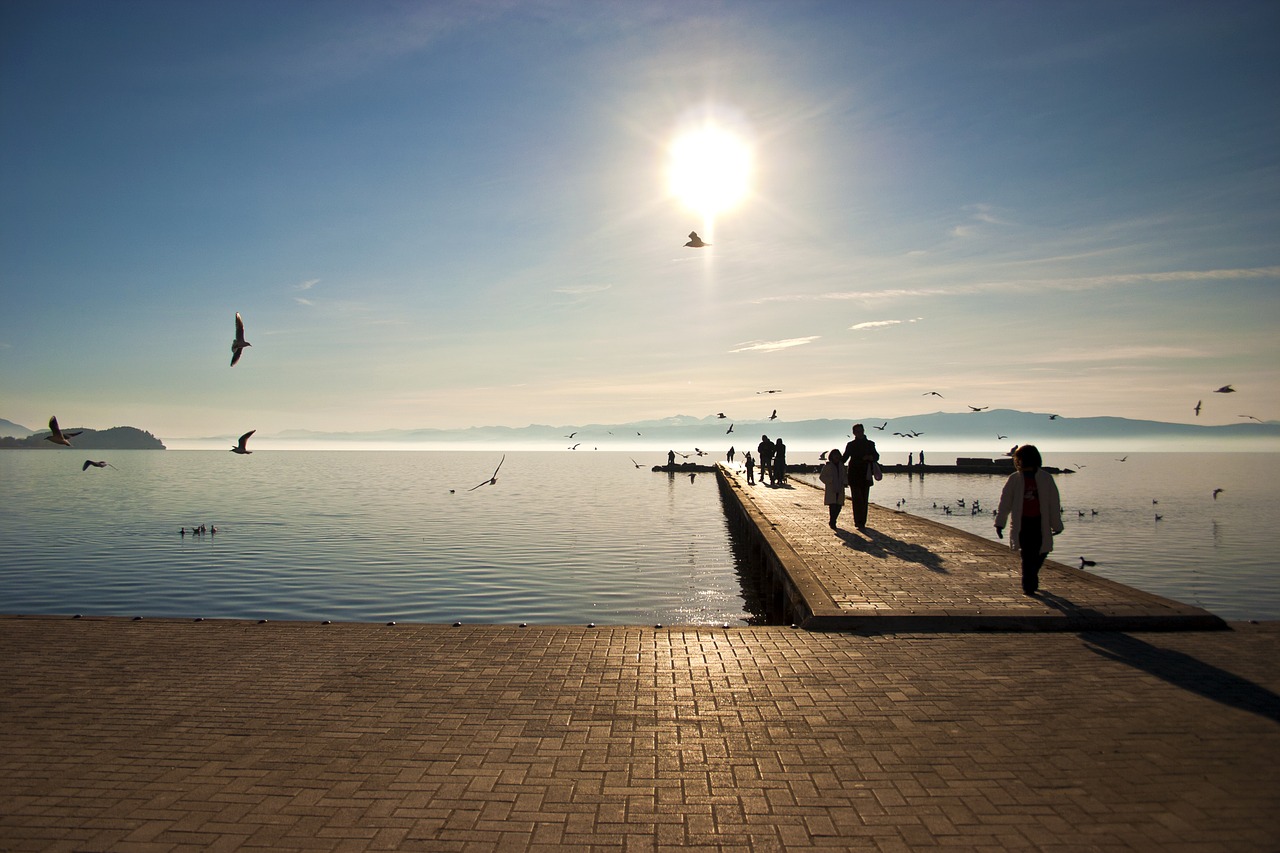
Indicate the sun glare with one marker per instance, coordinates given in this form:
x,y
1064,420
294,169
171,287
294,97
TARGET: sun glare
x,y
709,170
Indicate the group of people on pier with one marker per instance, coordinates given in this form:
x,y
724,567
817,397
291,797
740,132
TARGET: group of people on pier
x,y
1029,498
772,462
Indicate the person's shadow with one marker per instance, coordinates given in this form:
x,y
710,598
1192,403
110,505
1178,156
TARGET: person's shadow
x,y
1182,670
881,545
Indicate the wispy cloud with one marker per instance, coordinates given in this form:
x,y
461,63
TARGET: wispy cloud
x,y
880,324
773,346
307,285
1037,285
301,301
1117,353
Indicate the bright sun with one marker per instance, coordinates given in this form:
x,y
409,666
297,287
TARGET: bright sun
x,y
709,170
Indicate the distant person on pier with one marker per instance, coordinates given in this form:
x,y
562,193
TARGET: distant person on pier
x,y
921,458
751,469
835,478
860,453
1030,496
765,449
910,456
729,455
671,459
779,462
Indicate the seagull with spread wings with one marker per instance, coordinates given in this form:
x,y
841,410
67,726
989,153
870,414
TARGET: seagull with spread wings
x,y
241,444
492,480
88,462
238,345
57,436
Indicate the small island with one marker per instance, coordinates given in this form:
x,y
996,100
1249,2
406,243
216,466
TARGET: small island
x,y
116,438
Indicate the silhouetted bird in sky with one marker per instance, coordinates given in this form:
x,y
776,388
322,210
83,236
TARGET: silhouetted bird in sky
x,y
1123,459
774,416
729,430
492,480
881,427
1217,492
978,408
635,463
930,394
695,242
1198,402
1000,437
1225,389
721,415
1252,418
89,462
238,345
57,436
1053,417
774,391
240,445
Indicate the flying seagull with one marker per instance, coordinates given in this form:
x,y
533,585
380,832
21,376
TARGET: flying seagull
x,y
1198,402
635,463
721,415
1053,417
89,462
774,416
1225,389
1252,418
240,445
999,436
729,430
978,408
57,436
238,345
930,394
881,427
492,480
1217,492
695,242
775,391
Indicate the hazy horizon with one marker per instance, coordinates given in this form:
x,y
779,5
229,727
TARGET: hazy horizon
x,y
441,214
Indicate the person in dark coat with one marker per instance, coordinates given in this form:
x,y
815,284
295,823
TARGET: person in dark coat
x,y
834,478
779,462
860,453
765,449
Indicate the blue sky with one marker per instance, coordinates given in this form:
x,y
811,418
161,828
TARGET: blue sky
x,y
452,214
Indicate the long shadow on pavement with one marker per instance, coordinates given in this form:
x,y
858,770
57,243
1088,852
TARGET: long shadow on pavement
x,y
1184,671
881,546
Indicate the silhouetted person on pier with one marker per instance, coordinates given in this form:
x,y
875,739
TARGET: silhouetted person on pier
x,y
779,462
1030,496
921,458
671,459
751,469
729,455
860,453
765,449
910,456
835,478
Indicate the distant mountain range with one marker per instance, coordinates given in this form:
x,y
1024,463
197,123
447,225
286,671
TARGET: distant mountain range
x,y
972,428
116,438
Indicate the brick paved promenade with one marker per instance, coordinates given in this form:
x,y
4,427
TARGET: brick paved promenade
x,y
163,735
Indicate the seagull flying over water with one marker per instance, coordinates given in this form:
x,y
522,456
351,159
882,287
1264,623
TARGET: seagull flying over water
x,y
1252,418
239,343
1225,389
88,462
881,427
729,430
1198,402
978,408
492,480
1217,492
240,445
695,242
57,436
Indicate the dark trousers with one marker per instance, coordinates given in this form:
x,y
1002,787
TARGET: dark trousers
x,y
834,509
861,496
1030,539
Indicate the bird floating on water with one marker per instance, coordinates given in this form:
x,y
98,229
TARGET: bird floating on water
x,y
57,436
88,462
244,440
238,345
1084,562
695,242
492,480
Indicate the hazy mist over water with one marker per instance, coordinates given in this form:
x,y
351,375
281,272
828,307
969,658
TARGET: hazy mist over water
x,y
560,538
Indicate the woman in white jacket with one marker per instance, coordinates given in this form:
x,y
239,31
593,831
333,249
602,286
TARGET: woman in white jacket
x,y
835,479
1031,496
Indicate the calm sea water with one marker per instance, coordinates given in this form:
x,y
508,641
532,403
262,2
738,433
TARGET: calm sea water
x,y
562,538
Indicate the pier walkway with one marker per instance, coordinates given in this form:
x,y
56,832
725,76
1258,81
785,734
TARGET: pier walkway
x,y
907,573
173,735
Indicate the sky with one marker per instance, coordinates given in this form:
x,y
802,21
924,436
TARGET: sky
x,y
451,214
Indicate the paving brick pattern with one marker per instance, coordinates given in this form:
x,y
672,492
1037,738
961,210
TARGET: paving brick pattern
x,y
912,568
218,735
